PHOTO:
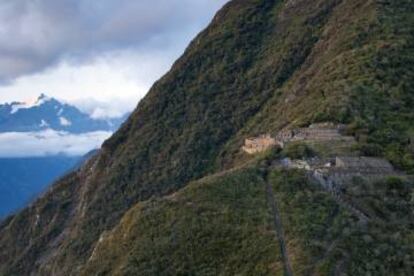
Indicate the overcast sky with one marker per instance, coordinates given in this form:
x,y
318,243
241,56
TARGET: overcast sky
x,y
88,50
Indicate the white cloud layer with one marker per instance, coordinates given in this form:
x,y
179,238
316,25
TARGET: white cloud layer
x,y
35,35
49,142
101,55
107,50
121,77
104,109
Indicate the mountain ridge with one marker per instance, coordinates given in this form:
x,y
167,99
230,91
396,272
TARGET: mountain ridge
x,y
234,80
48,113
46,137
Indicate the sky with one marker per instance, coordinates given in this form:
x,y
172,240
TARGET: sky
x,y
101,55
91,52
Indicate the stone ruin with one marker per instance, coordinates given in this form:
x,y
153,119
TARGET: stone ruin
x,y
335,174
332,174
364,164
314,133
259,144
296,164
343,166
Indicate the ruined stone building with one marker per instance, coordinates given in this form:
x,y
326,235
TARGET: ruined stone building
x,y
344,169
296,164
285,136
364,164
259,144
321,132
314,133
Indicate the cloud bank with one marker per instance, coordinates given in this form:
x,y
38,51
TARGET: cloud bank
x,y
49,142
35,35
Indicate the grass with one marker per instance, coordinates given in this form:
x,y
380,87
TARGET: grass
x,y
260,66
217,226
314,222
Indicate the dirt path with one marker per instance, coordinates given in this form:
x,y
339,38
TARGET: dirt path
x,y
279,228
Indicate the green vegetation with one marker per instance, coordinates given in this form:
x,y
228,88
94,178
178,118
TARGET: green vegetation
x,y
324,238
298,151
219,225
360,72
382,104
44,220
260,66
222,225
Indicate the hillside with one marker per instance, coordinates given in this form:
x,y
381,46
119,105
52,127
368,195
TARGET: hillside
x,y
224,224
170,193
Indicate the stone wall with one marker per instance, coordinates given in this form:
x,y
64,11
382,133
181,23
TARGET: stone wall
x,y
336,177
314,133
259,144
364,164
328,125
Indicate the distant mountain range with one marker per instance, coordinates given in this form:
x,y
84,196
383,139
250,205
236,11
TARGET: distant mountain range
x,y
48,113
23,178
172,192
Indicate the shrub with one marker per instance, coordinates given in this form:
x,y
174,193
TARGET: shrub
x,y
299,151
371,150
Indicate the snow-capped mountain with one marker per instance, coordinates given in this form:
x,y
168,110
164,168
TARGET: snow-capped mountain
x,y
40,140
48,113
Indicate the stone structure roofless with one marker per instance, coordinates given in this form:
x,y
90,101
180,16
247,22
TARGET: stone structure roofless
x,y
364,163
259,144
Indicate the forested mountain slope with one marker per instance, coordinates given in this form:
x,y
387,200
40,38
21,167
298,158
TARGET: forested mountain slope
x,y
259,66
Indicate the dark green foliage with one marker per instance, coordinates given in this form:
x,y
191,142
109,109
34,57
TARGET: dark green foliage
x,y
366,149
386,245
310,218
383,102
325,238
45,220
217,226
260,66
298,151
361,73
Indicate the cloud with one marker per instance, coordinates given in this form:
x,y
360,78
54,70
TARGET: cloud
x,y
49,142
36,35
110,108
115,78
